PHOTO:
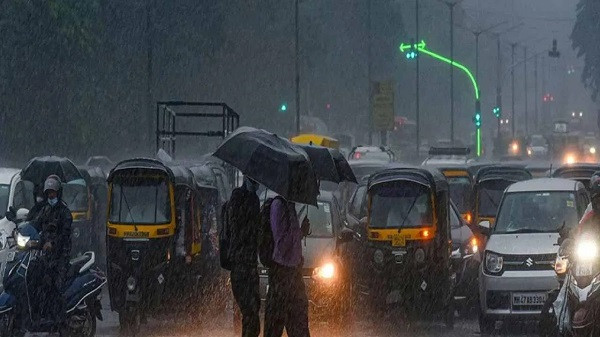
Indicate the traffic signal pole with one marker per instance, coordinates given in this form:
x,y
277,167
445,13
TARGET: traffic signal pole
x,y
417,117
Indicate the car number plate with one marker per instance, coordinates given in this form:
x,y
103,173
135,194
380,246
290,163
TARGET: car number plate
x,y
529,299
583,269
398,240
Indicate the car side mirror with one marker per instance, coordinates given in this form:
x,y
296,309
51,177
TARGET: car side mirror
x,y
346,235
485,227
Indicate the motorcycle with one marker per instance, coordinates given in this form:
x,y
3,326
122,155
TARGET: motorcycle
x,y
576,307
19,312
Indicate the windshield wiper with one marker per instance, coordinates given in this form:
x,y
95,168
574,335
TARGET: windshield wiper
x,y
408,213
525,230
128,209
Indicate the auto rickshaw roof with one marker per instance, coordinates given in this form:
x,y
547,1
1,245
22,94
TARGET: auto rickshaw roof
x,y
428,176
502,172
183,176
574,171
141,164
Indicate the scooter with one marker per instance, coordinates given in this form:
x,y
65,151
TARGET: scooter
x,y
19,311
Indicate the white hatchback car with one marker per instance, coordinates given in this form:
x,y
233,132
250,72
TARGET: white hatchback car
x,y
518,267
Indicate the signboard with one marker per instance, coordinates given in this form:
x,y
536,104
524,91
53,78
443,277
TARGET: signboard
x,y
383,105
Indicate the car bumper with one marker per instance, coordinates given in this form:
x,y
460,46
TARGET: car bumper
x,y
496,292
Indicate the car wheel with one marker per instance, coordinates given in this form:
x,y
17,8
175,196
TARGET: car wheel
x,y
486,324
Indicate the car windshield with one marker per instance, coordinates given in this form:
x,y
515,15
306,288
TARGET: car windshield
x,y
490,195
536,212
4,192
371,155
140,200
321,221
460,192
538,141
75,195
400,204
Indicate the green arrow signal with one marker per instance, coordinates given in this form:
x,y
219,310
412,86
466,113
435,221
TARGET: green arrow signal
x,y
404,47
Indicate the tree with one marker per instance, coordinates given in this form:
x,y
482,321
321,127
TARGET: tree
x,y
585,41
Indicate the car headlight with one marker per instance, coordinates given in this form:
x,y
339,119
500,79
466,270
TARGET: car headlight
x,y
325,272
378,256
493,262
570,159
529,152
586,250
131,283
22,240
592,150
472,246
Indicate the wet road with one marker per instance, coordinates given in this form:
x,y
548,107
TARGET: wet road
x,y
221,326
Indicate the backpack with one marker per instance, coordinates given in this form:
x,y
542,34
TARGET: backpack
x,y
266,242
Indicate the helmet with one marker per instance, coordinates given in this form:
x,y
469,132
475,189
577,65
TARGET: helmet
x,y
52,183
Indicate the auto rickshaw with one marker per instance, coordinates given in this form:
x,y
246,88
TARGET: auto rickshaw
x,y
490,183
314,139
579,172
154,240
409,242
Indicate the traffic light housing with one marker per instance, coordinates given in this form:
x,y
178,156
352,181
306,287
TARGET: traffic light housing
x,y
497,111
477,117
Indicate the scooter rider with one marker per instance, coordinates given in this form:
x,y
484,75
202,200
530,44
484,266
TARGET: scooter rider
x,y
54,224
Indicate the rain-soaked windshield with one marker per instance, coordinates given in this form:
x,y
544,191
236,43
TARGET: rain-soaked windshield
x,y
489,196
536,212
140,200
4,194
400,205
460,192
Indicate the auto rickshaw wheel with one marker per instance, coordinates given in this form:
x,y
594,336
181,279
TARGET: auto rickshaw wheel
x,y
129,322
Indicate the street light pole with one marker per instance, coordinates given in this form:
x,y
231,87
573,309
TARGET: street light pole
x,y
149,95
369,68
297,56
536,94
417,117
526,96
451,6
512,79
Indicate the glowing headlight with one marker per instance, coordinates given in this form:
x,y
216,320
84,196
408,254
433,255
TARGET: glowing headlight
x,y
529,152
586,250
22,240
514,147
473,246
493,262
592,150
326,271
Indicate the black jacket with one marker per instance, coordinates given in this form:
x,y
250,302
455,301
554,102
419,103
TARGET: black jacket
x,y
243,214
54,224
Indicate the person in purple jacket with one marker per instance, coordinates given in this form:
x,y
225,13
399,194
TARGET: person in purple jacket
x,y
287,303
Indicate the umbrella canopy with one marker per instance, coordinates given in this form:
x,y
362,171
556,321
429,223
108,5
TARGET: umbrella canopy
x,y
39,168
322,162
272,161
342,167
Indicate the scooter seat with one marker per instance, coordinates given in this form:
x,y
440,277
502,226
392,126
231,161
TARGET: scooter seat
x,y
77,264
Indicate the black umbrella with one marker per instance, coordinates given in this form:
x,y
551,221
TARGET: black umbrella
x,y
322,162
343,168
39,168
272,161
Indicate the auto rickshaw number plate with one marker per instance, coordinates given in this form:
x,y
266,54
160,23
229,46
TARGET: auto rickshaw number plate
x,y
398,240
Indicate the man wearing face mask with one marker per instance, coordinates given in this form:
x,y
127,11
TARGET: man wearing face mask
x,y
40,202
54,223
242,214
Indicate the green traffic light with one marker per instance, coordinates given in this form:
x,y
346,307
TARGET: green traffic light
x,y
283,107
497,111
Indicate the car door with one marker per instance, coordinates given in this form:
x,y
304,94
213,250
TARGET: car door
x,y
356,249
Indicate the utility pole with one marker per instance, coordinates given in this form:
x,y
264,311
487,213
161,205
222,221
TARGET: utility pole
x,y
417,84
499,83
526,96
296,3
451,7
369,69
512,79
149,33
536,93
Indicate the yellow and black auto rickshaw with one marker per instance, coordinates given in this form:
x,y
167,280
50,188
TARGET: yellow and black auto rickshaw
x,y
154,240
490,183
409,244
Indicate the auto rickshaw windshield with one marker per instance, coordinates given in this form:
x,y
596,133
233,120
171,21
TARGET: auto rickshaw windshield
x,y
75,195
140,200
460,192
490,195
321,221
400,204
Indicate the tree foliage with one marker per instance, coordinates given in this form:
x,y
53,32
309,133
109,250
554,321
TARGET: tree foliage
x,y
585,41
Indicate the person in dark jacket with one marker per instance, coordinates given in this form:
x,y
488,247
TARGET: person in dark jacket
x,y
40,202
243,215
54,224
287,302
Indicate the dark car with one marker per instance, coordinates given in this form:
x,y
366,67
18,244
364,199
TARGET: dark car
x,y
325,267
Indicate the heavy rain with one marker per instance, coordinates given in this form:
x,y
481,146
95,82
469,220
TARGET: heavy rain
x,y
299,167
